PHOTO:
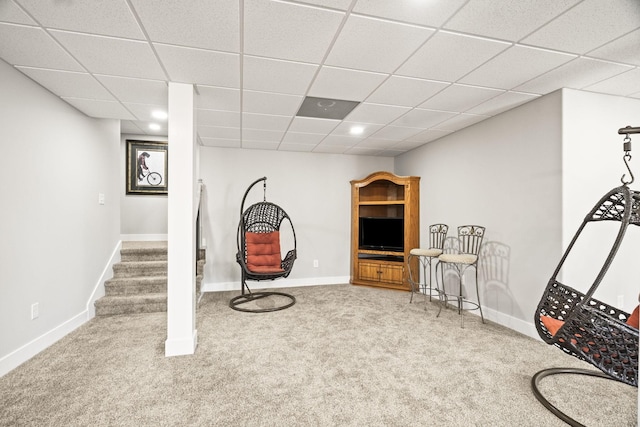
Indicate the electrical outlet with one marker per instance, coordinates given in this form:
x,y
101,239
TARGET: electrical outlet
x,y
35,311
101,198
315,263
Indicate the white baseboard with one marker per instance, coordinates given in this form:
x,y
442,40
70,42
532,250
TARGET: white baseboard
x,y
279,283
27,351
143,237
107,273
182,346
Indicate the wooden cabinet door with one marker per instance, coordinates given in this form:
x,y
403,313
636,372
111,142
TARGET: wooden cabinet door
x,y
392,273
369,271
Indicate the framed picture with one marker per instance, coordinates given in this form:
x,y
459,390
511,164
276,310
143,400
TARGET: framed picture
x,y
147,167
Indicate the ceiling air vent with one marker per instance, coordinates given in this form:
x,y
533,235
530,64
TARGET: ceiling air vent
x,y
325,108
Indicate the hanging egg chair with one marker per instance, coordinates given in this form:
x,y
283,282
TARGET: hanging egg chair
x,y
591,330
259,254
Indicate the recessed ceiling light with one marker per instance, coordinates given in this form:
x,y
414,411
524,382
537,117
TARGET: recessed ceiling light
x,y
160,115
356,130
154,126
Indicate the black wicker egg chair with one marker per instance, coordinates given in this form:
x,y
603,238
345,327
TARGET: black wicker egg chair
x,y
259,255
579,324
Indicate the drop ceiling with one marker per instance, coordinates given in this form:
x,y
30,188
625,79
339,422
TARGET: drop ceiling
x,y
419,69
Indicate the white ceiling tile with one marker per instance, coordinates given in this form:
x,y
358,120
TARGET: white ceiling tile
x,y
330,149
261,135
68,83
302,138
340,83
515,66
362,151
625,49
501,103
376,113
396,133
345,141
139,91
460,121
270,103
101,109
344,129
447,56
217,118
375,45
202,23
506,19
218,98
288,31
576,74
405,91
375,143
127,126
200,66
32,47
260,145
144,112
588,25
112,56
313,125
221,143
392,152
428,136
219,132
10,12
459,98
623,84
306,148
271,75
335,4
109,18
429,13
419,118
144,125
265,121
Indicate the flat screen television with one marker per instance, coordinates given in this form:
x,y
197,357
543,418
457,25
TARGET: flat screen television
x,y
381,234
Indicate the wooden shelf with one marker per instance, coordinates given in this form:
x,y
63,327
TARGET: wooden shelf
x,y
383,194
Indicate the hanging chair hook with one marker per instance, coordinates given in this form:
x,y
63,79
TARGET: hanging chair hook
x,y
627,158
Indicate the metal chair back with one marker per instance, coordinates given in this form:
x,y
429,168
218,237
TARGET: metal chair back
x,y
437,236
470,238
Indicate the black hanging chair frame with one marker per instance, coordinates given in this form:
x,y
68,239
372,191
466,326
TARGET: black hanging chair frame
x,y
261,217
592,330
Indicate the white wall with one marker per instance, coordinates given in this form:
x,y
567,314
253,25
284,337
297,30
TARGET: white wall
x,y
312,188
503,173
56,238
142,217
592,166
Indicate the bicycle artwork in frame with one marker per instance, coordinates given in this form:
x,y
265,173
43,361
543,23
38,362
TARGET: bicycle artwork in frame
x,y
147,167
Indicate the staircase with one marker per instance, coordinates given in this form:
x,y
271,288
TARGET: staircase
x,y
139,283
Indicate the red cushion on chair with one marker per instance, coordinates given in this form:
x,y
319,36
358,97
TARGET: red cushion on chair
x,y
551,324
263,252
633,319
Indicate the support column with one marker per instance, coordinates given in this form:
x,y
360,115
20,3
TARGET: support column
x,y
182,337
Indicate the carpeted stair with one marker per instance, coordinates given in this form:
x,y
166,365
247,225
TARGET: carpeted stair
x,y
139,283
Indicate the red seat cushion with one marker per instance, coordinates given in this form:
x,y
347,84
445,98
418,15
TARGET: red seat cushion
x,y
263,252
633,319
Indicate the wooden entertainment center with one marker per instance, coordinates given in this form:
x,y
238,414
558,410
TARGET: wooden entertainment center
x,y
385,226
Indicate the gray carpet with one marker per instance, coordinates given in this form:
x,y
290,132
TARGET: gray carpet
x,y
342,356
